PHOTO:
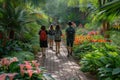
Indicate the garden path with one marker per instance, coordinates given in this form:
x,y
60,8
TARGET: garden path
x,y
61,67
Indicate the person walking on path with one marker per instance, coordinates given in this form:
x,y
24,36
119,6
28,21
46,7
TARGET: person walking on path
x,y
43,39
51,33
58,34
70,36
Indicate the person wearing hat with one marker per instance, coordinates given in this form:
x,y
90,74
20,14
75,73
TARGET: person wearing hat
x,y
70,36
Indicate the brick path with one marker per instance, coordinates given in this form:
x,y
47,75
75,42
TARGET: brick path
x,y
61,67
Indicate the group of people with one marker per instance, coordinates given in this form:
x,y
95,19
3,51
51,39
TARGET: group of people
x,y
54,35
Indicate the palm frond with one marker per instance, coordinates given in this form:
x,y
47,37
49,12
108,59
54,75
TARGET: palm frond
x,y
112,8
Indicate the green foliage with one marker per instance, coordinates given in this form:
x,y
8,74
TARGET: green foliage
x,y
22,55
13,67
14,46
17,18
8,46
81,50
26,77
81,31
103,60
112,8
115,37
36,49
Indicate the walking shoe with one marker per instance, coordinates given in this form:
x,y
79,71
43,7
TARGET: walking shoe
x,y
56,53
68,51
44,55
71,54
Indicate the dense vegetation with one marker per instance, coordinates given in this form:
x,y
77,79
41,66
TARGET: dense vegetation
x,y
97,42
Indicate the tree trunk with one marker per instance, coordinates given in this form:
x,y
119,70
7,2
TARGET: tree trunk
x,y
105,28
100,3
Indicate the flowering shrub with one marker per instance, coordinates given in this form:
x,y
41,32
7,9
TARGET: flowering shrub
x,y
13,69
79,39
93,33
8,61
29,67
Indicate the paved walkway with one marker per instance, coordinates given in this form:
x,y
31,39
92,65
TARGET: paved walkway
x,y
61,67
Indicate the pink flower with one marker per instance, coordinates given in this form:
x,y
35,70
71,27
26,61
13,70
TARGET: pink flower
x,y
28,67
27,62
22,66
22,72
11,75
35,63
2,76
22,69
5,61
38,70
30,72
14,59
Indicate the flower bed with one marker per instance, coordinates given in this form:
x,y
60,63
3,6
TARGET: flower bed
x,y
12,68
79,39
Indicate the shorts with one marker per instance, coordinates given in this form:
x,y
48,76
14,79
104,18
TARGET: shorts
x,y
70,42
57,40
51,37
43,44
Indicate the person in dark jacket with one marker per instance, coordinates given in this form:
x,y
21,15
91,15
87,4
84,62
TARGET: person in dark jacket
x,y
70,36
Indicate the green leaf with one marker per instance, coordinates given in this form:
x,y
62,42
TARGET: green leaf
x,y
14,67
116,71
7,78
108,78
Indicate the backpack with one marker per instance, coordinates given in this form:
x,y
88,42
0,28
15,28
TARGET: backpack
x,y
57,35
51,32
43,35
70,33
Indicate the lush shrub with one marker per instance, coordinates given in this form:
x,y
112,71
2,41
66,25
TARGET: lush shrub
x,y
22,55
81,31
103,60
81,50
11,68
115,37
35,49
8,46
